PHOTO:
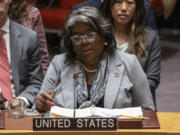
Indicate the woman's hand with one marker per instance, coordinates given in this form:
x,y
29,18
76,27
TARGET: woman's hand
x,y
44,102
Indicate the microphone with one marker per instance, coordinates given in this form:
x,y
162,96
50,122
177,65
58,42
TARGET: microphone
x,y
75,76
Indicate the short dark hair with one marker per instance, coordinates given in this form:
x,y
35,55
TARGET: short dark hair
x,y
91,16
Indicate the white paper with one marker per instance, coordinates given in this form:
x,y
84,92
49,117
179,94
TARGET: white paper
x,y
95,111
59,111
132,111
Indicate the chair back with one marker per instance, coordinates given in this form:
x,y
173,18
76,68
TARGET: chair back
x,y
68,4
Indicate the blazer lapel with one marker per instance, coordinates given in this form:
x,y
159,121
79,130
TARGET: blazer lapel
x,y
112,88
15,50
116,69
70,86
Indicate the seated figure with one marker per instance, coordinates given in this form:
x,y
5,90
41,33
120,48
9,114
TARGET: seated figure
x,y
93,72
20,61
133,37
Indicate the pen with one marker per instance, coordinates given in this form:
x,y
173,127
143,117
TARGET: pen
x,y
134,117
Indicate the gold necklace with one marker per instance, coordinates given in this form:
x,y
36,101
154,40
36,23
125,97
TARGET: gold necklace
x,y
89,70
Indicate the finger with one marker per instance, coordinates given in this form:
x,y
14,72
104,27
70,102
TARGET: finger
x,y
41,109
46,96
42,106
44,100
50,93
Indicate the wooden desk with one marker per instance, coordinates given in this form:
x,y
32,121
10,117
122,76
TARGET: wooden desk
x,y
169,122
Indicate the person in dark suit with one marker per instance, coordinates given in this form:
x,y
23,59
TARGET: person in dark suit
x,y
29,16
149,19
23,74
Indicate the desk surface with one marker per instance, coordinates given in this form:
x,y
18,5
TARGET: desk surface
x,y
169,122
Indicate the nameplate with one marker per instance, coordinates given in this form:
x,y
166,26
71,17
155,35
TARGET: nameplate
x,y
74,123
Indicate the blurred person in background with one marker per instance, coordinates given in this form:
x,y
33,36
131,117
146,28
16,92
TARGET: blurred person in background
x,y
149,19
29,16
20,61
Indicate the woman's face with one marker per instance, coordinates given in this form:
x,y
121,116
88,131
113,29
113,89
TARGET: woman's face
x,y
90,45
123,11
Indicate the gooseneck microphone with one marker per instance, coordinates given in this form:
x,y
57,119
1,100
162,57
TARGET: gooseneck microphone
x,y
75,76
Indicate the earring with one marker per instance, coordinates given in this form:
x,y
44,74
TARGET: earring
x,y
105,43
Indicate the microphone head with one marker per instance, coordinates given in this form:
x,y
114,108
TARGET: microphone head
x,y
75,76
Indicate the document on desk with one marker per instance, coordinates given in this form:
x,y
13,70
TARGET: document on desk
x,y
96,112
